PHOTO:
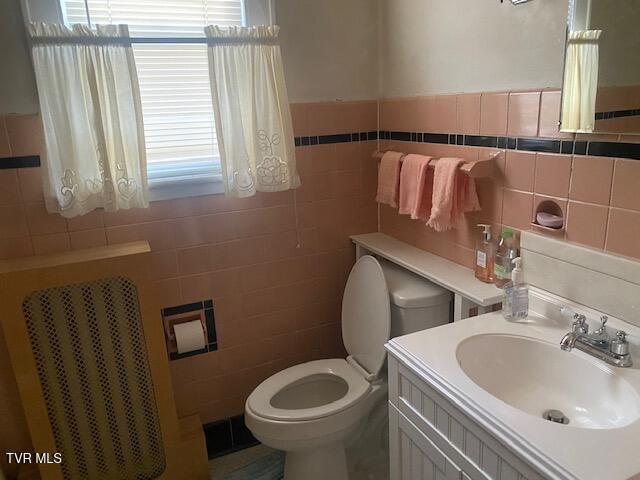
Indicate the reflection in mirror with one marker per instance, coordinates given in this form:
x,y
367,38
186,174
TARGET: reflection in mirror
x,y
601,87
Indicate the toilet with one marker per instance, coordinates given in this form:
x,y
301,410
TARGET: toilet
x,y
310,410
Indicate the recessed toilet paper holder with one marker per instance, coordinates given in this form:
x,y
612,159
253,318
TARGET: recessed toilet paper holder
x,y
197,311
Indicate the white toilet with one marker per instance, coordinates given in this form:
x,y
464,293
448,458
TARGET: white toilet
x,y
310,410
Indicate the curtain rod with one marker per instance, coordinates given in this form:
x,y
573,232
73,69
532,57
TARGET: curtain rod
x,y
131,40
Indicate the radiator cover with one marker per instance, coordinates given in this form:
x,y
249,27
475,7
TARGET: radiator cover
x,y
89,346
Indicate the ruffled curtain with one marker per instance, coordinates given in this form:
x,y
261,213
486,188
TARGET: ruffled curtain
x,y
92,116
253,121
580,81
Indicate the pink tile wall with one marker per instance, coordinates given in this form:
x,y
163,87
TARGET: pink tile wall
x,y
275,305
598,196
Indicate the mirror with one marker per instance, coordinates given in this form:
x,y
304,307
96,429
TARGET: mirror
x,y
601,86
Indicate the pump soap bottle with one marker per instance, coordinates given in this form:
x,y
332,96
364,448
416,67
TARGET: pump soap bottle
x,y
515,296
484,255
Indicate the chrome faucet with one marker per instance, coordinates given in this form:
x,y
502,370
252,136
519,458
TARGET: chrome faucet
x,y
598,344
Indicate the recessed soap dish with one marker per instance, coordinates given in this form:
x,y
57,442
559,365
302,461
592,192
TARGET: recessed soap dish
x,y
549,218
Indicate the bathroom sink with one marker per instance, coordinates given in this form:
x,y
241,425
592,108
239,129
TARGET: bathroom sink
x,y
535,377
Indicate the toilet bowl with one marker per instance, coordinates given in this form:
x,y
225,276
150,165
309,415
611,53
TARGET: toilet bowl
x,y
311,410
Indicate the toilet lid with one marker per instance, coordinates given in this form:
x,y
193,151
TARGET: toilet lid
x,y
366,315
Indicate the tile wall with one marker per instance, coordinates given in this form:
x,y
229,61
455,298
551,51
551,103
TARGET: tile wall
x,y
598,194
275,305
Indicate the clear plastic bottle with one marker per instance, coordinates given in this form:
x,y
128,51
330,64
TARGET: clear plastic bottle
x,y
515,296
507,250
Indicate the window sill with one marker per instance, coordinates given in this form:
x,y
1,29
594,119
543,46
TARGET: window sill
x,y
184,189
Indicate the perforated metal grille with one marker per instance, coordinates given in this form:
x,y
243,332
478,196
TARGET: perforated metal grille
x,y
90,352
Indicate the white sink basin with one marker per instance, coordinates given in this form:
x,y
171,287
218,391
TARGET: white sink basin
x,y
535,376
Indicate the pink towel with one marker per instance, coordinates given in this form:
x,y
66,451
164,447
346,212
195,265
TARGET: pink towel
x,y
454,194
389,178
416,185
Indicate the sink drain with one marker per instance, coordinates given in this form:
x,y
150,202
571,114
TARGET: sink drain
x,y
556,416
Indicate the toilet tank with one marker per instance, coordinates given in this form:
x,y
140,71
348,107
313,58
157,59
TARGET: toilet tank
x,y
416,303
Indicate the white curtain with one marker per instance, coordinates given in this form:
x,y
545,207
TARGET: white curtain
x,y
580,81
251,108
93,130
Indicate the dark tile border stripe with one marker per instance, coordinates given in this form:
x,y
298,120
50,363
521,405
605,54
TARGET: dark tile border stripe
x,y
566,147
19,162
580,148
611,149
212,338
481,141
402,136
545,145
227,436
577,147
189,307
339,138
538,145
617,114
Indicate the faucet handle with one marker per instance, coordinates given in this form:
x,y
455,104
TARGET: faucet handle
x,y
580,324
620,346
602,330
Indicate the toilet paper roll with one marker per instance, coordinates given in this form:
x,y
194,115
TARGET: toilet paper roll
x,y
189,336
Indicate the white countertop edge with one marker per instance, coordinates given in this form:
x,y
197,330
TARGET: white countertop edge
x,y
484,301
508,437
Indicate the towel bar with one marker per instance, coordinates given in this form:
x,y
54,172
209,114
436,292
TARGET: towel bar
x,y
476,169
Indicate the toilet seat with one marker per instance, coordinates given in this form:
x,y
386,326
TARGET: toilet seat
x,y
260,399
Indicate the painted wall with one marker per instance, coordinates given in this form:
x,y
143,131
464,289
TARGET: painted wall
x,y
619,43
434,46
329,49
17,84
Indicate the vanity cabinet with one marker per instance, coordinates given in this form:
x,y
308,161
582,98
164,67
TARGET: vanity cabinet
x,y
431,439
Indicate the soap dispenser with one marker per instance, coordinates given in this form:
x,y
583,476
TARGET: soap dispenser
x,y
484,255
515,296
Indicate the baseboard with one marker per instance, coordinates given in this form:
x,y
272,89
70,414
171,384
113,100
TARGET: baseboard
x,y
228,436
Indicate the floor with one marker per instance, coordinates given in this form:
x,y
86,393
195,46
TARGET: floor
x,y
222,466
375,468
367,457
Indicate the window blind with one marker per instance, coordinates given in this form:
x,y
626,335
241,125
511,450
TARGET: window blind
x,y
174,77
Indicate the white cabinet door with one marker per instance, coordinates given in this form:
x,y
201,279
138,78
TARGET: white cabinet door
x,y
452,432
414,456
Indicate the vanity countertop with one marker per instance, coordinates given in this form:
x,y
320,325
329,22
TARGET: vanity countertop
x,y
557,451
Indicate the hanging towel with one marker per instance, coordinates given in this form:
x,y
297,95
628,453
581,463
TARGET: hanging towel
x,y
416,186
389,178
454,194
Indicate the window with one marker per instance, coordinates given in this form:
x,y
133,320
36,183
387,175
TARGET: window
x,y
173,72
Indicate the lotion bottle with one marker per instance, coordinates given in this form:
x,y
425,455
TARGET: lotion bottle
x,y
484,255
